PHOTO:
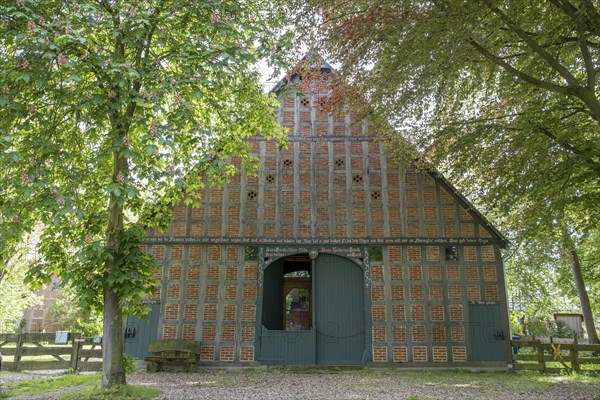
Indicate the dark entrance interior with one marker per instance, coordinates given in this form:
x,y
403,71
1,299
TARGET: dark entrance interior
x,y
313,311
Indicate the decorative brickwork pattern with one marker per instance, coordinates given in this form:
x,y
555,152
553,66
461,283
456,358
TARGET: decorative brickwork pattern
x,y
209,332
489,273
400,354
397,312
420,354
169,331
438,333
436,312
459,353
416,293
456,312
436,292
396,273
417,312
415,273
418,333
379,334
378,313
226,353
397,292
189,332
491,293
399,334
377,293
380,354
440,354
207,353
247,353
473,293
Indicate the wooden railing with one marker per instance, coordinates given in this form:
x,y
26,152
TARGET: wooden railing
x,y
37,351
555,355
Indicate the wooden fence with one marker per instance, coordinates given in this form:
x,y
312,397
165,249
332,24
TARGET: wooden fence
x,y
37,351
555,355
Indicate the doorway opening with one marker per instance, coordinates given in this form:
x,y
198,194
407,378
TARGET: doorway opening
x,y
313,311
287,304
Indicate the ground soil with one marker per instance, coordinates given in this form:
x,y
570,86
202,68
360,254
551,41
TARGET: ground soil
x,y
278,383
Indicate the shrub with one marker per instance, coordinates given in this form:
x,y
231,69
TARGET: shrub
x,y
130,364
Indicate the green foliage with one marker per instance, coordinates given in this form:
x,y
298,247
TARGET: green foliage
x,y
549,327
540,282
116,392
130,364
15,295
108,106
501,96
33,387
73,318
90,382
110,111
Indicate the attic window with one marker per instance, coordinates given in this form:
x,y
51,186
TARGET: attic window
x,y
451,253
270,178
375,195
287,163
252,195
357,178
304,102
339,162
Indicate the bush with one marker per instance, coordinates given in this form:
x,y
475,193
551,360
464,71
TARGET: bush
x,y
549,327
73,318
130,364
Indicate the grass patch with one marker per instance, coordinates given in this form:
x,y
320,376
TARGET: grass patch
x,y
530,381
45,385
117,392
90,385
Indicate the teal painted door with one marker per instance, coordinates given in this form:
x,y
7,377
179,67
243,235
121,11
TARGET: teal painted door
x,y
139,333
339,311
488,339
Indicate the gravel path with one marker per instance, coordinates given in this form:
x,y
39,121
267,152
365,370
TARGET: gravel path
x,y
361,384
280,384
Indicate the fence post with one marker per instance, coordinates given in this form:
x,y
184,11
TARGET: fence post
x,y
75,351
575,356
540,352
18,351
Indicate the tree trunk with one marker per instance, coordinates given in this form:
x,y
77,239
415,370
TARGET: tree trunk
x,y
113,367
584,299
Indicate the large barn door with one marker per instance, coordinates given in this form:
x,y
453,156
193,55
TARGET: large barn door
x,y
339,309
488,339
139,333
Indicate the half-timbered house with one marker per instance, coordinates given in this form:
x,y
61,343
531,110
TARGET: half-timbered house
x,y
333,254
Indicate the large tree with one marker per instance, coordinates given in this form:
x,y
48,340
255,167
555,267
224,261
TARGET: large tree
x,y
109,110
500,95
540,283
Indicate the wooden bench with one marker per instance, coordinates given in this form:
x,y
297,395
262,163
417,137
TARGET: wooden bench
x,y
176,352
